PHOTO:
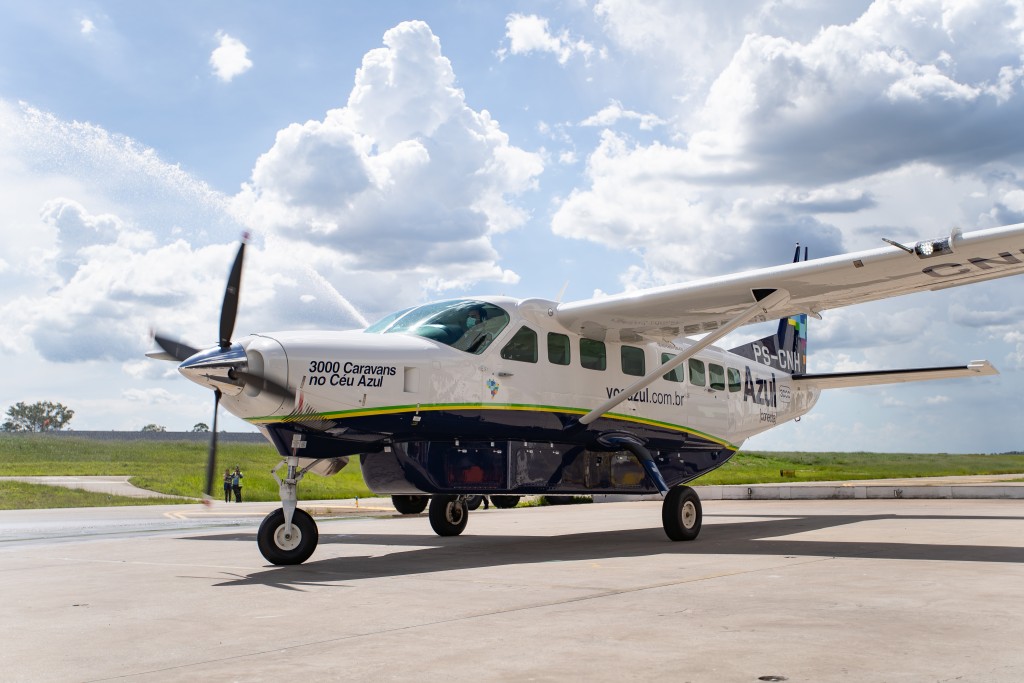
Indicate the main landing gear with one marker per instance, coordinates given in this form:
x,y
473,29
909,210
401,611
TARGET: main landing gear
x,y
289,535
681,514
448,514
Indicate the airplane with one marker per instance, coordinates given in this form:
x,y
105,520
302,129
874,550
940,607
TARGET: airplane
x,y
508,397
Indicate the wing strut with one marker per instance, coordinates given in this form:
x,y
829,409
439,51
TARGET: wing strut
x,y
763,306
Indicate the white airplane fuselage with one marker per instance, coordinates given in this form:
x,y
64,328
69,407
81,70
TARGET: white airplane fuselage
x,y
427,416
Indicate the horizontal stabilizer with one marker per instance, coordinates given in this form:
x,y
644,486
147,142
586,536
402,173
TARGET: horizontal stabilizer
x,y
835,380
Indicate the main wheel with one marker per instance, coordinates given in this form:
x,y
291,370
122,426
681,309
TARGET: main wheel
x,y
558,500
282,548
681,514
505,501
448,515
473,502
410,505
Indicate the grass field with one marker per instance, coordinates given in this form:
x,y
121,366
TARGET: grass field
x,y
178,468
16,495
755,468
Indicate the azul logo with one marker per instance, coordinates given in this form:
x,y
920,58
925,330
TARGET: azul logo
x,y
760,391
493,386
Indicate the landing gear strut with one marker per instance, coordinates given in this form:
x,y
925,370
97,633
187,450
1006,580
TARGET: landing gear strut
x,y
288,535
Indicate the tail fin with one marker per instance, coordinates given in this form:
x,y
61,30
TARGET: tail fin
x,y
786,350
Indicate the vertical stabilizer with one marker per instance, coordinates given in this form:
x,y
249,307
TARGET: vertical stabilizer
x,y
786,350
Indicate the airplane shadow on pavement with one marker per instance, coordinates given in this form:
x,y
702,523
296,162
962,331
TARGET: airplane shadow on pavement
x,y
764,536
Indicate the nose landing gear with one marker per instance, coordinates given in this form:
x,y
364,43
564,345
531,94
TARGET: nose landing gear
x,y
288,535
285,544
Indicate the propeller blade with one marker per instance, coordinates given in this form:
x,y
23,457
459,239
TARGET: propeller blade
x,y
264,384
211,461
174,348
229,309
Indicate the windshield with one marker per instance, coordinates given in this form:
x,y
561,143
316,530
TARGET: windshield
x,y
466,324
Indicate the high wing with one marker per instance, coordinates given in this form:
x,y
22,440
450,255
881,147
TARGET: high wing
x,y
666,313
837,380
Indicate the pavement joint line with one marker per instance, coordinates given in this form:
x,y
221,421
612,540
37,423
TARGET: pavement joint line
x,y
152,564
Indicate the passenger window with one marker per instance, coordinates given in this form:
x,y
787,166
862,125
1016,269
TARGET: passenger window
x,y
558,348
593,355
716,373
676,373
522,346
633,361
697,378
735,384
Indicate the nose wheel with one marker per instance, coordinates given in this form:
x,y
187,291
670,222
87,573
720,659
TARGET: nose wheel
x,y
284,543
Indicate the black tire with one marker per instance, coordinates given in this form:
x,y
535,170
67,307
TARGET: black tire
x,y
473,502
280,550
410,505
558,500
505,502
448,515
681,514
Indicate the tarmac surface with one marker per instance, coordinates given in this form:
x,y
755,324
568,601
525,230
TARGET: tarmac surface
x,y
847,589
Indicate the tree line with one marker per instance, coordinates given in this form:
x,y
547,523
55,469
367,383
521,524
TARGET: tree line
x,y
46,416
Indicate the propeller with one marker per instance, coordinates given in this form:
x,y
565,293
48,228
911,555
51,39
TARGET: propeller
x,y
173,348
218,359
211,460
229,309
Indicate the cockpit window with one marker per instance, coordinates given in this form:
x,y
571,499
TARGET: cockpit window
x,y
384,322
466,324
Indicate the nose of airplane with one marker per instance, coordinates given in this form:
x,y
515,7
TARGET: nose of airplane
x,y
217,368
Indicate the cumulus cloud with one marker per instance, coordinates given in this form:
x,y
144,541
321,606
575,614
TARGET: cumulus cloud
x,y
802,126
904,82
529,33
230,58
682,230
87,27
398,193
403,186
615,112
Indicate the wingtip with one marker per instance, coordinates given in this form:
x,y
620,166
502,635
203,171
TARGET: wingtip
x,y
982,367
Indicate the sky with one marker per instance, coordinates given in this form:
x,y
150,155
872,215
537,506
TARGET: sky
x,y
388,154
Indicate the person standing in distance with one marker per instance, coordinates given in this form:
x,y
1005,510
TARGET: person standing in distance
x,y
236,484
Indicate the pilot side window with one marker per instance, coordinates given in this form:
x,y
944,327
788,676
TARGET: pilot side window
x,y
716,373
632,361
522,346
697,377
593,355
734,380
558,348
676,373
